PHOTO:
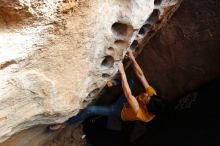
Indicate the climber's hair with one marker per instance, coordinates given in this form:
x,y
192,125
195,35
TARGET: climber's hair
x,y
156,105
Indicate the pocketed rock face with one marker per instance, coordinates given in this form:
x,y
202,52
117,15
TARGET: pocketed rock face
x,y
56,56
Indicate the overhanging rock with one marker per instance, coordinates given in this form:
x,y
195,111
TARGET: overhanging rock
x,y
56,56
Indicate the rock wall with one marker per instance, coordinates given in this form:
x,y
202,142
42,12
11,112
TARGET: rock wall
x,y
181,57
184,55
56,56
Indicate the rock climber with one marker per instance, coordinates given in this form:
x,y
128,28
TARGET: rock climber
x,y
142,108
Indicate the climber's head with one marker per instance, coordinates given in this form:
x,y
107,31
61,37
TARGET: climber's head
x,y
156,105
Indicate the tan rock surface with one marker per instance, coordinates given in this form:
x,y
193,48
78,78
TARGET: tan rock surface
x,y
56,56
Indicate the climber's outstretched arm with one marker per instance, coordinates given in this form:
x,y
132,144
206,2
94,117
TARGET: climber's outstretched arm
x,y
127,91
138,70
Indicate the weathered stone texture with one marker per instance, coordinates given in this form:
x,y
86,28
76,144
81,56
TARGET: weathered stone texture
x,y
56,56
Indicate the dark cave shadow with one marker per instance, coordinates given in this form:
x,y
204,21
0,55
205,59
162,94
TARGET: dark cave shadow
x,y
194,120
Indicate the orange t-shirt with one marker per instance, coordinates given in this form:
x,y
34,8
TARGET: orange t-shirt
x,y
127,113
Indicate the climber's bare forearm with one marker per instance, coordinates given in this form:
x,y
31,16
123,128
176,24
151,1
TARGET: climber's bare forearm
x,y
125,86
127,91
139,73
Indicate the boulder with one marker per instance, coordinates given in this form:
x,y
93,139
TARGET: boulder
x,y
56,56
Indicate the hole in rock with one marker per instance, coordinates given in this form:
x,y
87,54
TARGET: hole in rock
x,y
108,61
154,17
144,29
122,30
121,44
105,75
94,92
110,49
157,2
6,64
65,1
134,45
